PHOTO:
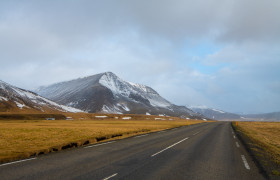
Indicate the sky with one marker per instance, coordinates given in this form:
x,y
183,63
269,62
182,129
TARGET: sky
x,y
223,54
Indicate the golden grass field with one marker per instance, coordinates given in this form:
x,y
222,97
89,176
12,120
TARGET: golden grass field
x,y
265,134
25,138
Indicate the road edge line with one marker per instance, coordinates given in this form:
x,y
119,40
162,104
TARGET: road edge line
x,y
239,136
14,162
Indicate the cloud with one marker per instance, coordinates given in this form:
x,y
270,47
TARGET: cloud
x,y
248,80
217,53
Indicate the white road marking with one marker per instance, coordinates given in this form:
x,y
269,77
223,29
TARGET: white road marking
x,y
17,161
161,131
99,144
245,162
196,133
237,144
110,176
170,146
234,137
141,136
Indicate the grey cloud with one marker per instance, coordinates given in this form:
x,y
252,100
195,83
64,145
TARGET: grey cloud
x,y
144,41
224,20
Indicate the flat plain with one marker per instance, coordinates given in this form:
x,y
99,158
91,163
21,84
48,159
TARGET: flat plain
x,y
26,138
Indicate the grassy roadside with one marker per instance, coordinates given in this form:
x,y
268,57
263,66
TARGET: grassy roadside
x,y
264,142
23,139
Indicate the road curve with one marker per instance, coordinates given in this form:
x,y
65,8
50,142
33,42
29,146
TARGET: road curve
x,y
201,151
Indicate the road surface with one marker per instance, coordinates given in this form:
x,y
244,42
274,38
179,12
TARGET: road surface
x,y
201,151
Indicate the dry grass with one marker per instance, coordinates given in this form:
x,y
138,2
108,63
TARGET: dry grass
x,y
24,138
266,135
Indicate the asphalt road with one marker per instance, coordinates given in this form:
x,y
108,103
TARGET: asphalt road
x,y
202,151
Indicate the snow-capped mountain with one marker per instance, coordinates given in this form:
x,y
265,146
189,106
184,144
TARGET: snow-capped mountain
x,y
214,113
14,99
107,93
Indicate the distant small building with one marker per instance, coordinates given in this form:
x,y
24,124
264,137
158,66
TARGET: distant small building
x,y
69,118
50,118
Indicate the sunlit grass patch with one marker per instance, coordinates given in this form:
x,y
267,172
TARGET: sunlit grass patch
x,y
265,135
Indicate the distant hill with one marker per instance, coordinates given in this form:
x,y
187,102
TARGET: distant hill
x,y
273,116
14,99
214,113
222,115
107,93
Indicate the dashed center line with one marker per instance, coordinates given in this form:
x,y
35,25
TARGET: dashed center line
x,y
110,176
161,131
196,133
237,144
245,162
234,137
99,144
169,147
141,136
17,161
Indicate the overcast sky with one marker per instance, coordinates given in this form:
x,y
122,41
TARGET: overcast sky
x,y
219,53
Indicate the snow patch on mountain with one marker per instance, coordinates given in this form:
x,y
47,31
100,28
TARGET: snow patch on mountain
x,y
123,106
139,86
115,84
70,109
218,111
119,86
203,107
198,107
19,105
72,104
43,101
155,101
114,109
3,98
